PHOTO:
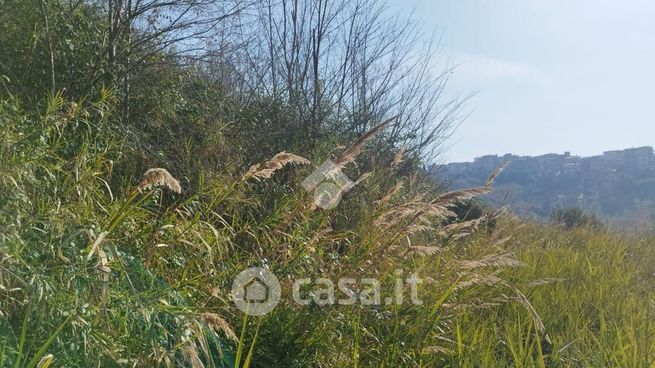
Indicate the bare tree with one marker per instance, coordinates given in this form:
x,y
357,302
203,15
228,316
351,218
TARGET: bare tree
x,y
344,65
138,30
46,27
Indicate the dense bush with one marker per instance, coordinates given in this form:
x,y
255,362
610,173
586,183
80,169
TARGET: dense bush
x,y
575,217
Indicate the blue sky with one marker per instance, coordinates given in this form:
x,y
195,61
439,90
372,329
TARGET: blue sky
x,y
551,75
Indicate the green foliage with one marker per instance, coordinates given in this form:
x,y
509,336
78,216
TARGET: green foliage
x,y
75,38
138,293
575,217
589,290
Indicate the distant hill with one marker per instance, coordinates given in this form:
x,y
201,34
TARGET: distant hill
x,y
618,185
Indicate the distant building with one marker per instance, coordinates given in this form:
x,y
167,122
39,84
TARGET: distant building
x,y
641,157
488,162
609,161
611,183
594,163
614,158
571,167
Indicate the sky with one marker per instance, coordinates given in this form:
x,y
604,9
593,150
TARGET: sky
x,y
550,75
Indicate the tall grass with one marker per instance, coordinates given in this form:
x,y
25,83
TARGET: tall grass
x,y
98,268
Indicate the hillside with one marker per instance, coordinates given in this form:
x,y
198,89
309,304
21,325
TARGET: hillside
x,y
618,185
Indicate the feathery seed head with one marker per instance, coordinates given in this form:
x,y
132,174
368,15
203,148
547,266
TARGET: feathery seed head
x,y
158,177
268,168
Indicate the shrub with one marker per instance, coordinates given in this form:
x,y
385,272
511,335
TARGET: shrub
x,y
575,217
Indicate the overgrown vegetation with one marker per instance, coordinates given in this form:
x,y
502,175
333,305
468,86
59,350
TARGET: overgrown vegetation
x,y
574,217
101,265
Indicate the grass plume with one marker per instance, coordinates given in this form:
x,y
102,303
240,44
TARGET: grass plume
x,y
158,177
268,168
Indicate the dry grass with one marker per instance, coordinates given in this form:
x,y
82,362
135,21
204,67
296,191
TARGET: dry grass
x,y
158,177
391,193
420,213
190,354
491,260
398,158
268,168
424,250
356,149
218,324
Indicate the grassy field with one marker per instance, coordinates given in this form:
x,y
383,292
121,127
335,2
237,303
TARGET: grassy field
x,y
591,293
98,270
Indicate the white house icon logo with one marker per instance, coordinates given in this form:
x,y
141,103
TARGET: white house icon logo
x,y
256,291
329,183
